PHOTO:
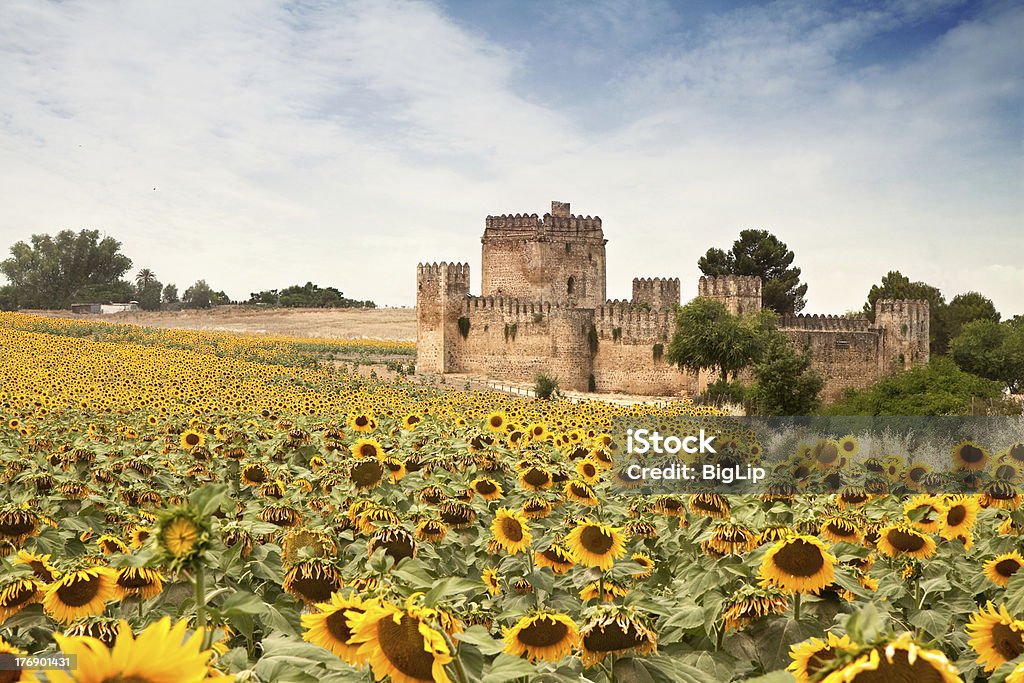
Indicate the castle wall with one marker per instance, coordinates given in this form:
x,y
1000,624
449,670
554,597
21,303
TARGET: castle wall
x,y
740,294
844,358
441,289
516,340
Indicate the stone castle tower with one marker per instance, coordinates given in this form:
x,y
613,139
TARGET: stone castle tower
x,y
544,309
557,258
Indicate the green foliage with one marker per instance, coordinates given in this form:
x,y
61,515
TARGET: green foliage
x,y
758,252
992,350
148,290
201,295
464,326
658,351
54,272
170,295
965,308
786,385
708,337
939,388
592,339
896,285
545,386
722,392
307,296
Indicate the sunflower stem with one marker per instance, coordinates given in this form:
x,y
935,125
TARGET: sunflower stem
x,y
200,586
796,607
600,586
460,672
536,597
611,669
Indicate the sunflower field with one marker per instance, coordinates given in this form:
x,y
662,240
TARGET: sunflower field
x,y
181,506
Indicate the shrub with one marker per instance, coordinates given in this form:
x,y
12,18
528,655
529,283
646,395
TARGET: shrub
x,y
545,386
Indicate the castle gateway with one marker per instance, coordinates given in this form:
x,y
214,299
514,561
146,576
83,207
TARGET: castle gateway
x,y
543,308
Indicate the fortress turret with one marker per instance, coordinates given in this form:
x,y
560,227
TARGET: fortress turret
x,y
740,293
441,291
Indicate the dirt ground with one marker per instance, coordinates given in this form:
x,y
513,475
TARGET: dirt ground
x,y
344,323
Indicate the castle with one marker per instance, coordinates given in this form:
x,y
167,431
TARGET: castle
x,y
543,308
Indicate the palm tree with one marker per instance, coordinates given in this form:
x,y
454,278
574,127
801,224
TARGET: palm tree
x,y
143,278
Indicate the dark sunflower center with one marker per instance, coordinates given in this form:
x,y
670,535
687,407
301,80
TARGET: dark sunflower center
x,y
819,660
1017,452
799,558
398,548
842,528
367,472
543,632
1007,642
956,515
827,453
337,625
612,637
496,421
255,474
314,589
402,644
192,439
905,541
536,477
19,595
80,592
595,540
554,555
362,421
589,470
457,515
971,454
511,529
1007,567
17,526
916,473
485,487
134,581
580,491
367,450
709,503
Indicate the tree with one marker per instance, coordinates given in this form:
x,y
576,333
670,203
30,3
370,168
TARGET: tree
x,y
143,278
758,252
149,295
53,272
170,295
992,350
896,285
199,295
967,307
785,383
708,337
939,388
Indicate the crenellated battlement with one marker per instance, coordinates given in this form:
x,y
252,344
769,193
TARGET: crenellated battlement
x,y
712,286
824,322
660,293
558,224
513,306
452,271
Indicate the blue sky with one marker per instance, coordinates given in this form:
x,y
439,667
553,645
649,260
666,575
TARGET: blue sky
x,y
262,144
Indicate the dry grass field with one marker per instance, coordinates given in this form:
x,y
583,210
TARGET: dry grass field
x,y
354,323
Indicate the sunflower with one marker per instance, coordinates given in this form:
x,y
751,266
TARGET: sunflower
x,y
400,644
581,492
924,512
492,580
361,422
110,545
646,563
367,448
813,657
849,446
396,542
902,539
995,636
1003,567
615,630
366,473
190,438
457,514
160,653
606,590
302,544
488,489
536,508
545,635
1000,494
969,456
901,659
331,626
140,582
958,515
728,538
181,536
557,558
752,603
80,593
254,474
595,544
588,470
431,530
798,564
496,422
13,674
839,529
312,581
535,478
17,524
17,594
709,505
511,531
104,629
40,564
